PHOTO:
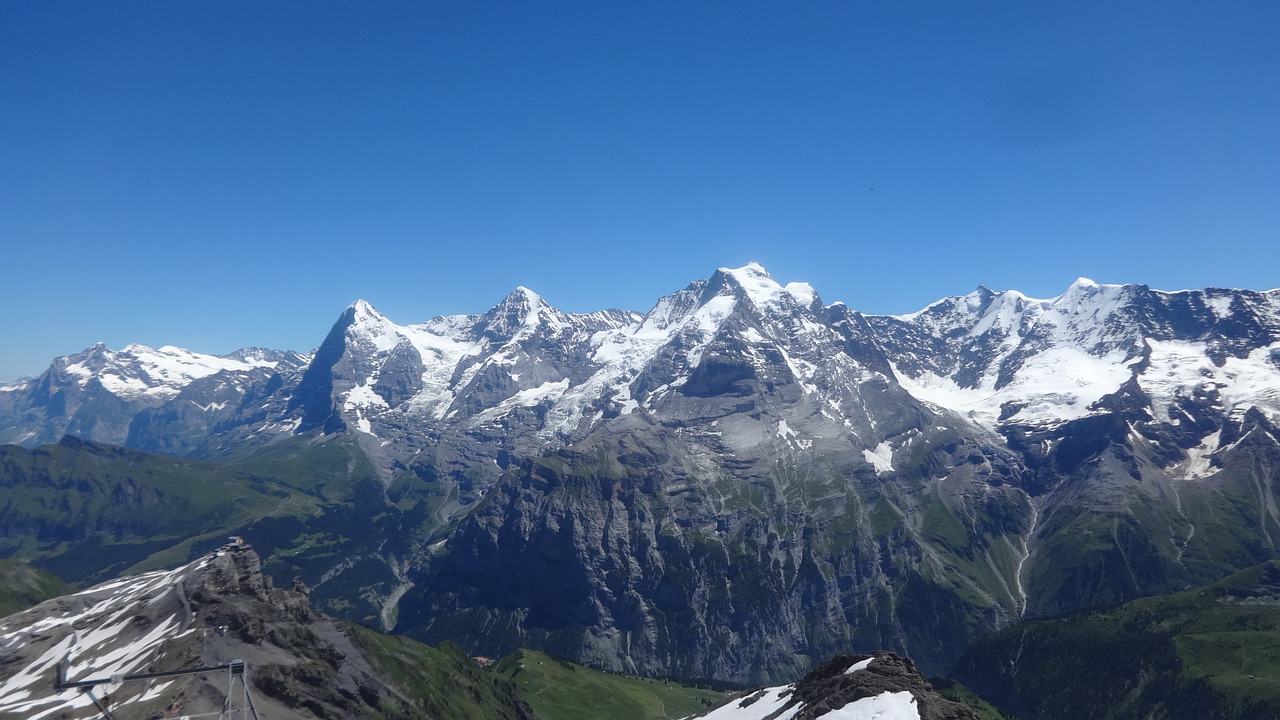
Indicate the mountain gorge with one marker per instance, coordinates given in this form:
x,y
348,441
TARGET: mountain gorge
x,y
735,485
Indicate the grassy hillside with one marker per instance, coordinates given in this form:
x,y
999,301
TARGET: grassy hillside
x,y
559,690
957,692
1210,652
22,586
437,683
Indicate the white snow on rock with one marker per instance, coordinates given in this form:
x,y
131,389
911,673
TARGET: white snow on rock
x,y
1006,358
455,349
1180,368
881,458
860,665
363,396
1057,382
885,706
1053,386
1198,461
785,432
545,393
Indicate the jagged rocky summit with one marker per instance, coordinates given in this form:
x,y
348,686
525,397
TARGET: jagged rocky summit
x,y
883,686
742,481
214,612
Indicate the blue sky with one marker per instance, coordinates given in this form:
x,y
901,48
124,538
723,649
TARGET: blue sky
x,y
218,175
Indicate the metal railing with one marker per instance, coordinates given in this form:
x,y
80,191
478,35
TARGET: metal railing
x,y
231,709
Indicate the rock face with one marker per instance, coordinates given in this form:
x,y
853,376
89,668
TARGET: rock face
x,y
745,480
299,663
647,558
883,685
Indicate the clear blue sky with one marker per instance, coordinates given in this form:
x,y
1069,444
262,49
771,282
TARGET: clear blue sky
x,y
223,174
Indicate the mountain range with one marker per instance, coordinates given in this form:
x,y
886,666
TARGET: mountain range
x,y
734,485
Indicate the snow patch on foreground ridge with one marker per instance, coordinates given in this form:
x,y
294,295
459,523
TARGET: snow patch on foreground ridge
x,y
98,637
779,703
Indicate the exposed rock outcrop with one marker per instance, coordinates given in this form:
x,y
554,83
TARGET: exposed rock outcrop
x,y
883,685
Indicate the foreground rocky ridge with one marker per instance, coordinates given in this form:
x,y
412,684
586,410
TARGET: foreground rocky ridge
x,y
744,481
221,608
883,685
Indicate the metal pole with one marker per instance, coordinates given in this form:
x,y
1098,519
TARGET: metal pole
x,y
102,708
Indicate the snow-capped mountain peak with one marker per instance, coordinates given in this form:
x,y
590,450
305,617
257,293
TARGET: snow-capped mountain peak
x,y
752,282
528,296
361,308
372,326
1089,301
139,371
520,311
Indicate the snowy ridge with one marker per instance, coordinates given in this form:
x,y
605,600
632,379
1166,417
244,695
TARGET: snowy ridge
x,y
742,313
205,640
1047,360
738,394
1006,358
139,372
1056,385
451,357
441,345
